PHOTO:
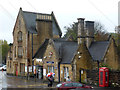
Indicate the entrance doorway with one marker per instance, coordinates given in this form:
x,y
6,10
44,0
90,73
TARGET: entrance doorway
x,y
16,70
39,72
22,69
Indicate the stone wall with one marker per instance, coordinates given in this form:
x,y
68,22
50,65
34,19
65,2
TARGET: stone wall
x,y
19,27
114,77
50,59
92,77
111,58
82,60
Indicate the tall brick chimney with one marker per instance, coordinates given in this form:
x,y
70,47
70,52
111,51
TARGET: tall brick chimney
x,y
89,26
44,28
81,33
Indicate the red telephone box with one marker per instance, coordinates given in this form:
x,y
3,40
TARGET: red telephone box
x,y
103,77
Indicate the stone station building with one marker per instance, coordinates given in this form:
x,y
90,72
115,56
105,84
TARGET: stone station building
x,y
37,42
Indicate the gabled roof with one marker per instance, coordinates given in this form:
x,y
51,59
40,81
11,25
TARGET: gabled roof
x,y
66,50
98,49
30,21
41,50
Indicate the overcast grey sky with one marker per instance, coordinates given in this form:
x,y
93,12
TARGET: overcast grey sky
x,y
66,12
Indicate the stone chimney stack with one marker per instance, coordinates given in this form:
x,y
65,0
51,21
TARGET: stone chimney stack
x,y
81,33
89,25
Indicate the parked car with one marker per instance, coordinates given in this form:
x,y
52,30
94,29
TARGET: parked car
x,y
71,85
3,67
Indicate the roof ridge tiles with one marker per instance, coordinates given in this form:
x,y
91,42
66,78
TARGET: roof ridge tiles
x,y
36,13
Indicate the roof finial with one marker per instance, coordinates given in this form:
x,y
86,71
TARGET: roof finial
x,y
20,8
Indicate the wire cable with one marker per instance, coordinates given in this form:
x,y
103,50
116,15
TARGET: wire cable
x,y
12,5
31,5
101,12
8,13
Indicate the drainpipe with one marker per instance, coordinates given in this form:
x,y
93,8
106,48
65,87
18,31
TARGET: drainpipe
x,y
59,71
80,76
32,56
32,46
98,71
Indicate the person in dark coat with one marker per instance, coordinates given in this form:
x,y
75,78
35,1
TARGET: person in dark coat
x,y
51,80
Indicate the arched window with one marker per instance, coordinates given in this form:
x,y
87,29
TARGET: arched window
x,y
19,36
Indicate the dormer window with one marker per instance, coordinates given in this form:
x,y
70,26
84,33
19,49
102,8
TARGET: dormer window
x,y
19,36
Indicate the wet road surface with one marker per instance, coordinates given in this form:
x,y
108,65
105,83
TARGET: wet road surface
x,y
18,83
7,81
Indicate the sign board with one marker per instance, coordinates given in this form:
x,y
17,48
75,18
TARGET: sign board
x,y
39,60
50,62
61,71
34,69
81,71
44,72
55,67
25,68
30,68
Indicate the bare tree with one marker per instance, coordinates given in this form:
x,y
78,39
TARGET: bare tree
x,y
100,33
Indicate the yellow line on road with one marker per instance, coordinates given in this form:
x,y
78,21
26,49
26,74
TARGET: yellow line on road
x,y
21,86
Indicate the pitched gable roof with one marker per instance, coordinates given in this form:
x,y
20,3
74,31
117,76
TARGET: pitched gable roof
x,y
41,50
56,23
98,49
66,50
69,49
30,21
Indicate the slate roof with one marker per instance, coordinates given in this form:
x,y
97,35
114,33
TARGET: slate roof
x,y
98,49
41,50
66,50
30,21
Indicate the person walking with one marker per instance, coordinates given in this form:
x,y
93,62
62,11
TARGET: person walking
x,y
51,80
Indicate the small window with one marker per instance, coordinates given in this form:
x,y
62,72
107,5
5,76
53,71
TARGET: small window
x,y
66,72
10,64
20,51
106,76
19,36
50,69
101,78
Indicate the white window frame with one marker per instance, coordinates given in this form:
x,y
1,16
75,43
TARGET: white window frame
x,y
51,69
66,72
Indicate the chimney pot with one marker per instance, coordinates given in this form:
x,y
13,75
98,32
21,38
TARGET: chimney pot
x,y
89,25
81,19
81,33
